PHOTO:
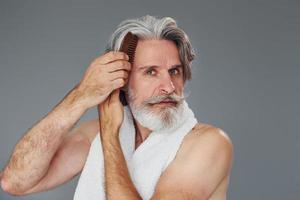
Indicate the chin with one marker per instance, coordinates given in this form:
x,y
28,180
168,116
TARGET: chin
x,y
167,117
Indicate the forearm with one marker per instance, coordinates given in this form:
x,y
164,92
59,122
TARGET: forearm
x,y
118,184
33,153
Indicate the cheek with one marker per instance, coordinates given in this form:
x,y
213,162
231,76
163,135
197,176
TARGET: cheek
x,y
141,88
178,84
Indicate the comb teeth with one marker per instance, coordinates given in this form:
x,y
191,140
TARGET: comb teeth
x,y
129,45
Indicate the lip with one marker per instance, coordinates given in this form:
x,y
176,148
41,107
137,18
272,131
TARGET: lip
x,y
166,103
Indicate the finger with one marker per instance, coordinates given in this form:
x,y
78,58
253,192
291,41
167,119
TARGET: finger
x,y
111,56
118,74
117,65
118,83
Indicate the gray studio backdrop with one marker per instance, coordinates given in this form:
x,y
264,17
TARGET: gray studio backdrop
x,y
245,77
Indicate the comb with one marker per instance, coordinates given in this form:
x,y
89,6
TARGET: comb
x,y
128,46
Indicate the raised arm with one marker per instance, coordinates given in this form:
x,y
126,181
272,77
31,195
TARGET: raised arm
x,y
37,155
34,152
70,157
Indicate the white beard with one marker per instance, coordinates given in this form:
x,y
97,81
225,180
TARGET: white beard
x,y
157,119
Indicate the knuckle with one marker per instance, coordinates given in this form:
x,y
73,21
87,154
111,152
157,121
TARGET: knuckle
x,y
126,65
125,56
117,54
120,55
120,64
121,82
110,54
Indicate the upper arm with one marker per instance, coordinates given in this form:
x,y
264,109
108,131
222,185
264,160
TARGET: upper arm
x,y
70,158
198,168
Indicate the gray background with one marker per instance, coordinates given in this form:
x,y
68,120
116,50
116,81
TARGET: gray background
x,y
245,77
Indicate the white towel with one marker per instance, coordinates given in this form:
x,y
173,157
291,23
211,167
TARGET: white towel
x,y
145,164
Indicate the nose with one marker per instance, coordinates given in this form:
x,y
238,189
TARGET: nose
x,y
166,85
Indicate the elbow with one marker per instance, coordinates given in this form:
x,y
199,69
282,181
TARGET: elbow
x,y
10,188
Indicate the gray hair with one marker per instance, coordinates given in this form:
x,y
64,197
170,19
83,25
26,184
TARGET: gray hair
x,y
149,27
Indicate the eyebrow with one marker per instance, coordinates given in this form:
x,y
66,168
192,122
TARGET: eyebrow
x,y
155,66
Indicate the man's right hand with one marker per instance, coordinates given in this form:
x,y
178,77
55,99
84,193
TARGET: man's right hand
x,y
40,159
105,74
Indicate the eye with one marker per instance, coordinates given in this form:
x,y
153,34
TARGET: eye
x,y
174,71
150,72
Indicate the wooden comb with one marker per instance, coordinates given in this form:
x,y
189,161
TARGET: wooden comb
x,y
128,46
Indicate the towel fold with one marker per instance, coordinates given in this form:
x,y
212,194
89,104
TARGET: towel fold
x,y
145,164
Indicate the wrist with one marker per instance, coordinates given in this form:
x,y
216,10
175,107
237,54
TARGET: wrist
x,y
77,100
73,103
109,126
109,134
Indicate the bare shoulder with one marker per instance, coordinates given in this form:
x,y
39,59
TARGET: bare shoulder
x,y
201,128
202,164
208,143
87,129
206,135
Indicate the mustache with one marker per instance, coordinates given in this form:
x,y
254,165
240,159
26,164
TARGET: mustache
x,y
169,97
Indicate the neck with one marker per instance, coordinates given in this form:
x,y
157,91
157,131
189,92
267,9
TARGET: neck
x,y
141,132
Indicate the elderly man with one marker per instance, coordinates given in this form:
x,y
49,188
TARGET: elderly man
x,y
151,149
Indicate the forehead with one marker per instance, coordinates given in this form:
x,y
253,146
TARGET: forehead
x,y
156,52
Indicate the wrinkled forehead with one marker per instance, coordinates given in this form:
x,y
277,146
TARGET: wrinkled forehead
x,y
156,52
